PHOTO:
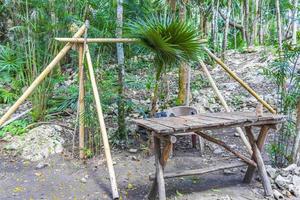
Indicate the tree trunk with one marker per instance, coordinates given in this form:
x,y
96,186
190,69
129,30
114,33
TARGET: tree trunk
x,y
121,72
278,21
225,36
296,150
294,22
261,32
214,24
246,21
255,21
183,70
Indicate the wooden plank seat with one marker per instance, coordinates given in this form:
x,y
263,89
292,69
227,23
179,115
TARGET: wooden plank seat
x,y
163,129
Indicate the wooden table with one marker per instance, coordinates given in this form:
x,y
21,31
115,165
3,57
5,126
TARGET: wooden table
x,y
162,130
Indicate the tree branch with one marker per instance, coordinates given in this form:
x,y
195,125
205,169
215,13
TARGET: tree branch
x,y
231,23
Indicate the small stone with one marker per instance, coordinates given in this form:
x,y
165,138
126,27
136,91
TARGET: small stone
x,y
284,173
228,172
83,180
277,195
132,150
290,168
135,158
282,182
236,134
38,174
41,165
218,151
271,171
286,193
297,171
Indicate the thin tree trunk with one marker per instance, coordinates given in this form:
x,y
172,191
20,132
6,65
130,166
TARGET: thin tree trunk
x,y
296,150
294,22
121,71
278,21
183,70
225,36
255,21
246,21
213,24
261,32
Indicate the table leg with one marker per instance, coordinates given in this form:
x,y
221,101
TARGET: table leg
x,y
260,143
159,182
260,163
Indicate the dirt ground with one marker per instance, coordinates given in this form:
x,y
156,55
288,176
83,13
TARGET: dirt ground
x,y
67,178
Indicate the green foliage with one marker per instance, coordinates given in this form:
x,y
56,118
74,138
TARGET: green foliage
x,y
171,40
15,128
284,73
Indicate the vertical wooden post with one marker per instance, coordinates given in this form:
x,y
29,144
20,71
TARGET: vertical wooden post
x,y
41,77
260,163
81,101
110,166
159,170
260,143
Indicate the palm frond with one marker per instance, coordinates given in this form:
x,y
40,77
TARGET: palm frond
x,y
171,40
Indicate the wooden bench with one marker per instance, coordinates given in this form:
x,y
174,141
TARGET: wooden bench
x,y
163,128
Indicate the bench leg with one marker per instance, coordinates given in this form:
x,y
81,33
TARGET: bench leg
x,y
201,145
260,143
194,141
260,163
159,182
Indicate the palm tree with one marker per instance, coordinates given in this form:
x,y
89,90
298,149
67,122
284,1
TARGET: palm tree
x,y
171,40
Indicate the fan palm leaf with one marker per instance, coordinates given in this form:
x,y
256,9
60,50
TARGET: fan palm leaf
x,y
171,40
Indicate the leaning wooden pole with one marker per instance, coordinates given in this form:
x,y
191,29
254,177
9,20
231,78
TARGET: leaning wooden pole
x,y
245,85
110,167
225,105
41,77
81,101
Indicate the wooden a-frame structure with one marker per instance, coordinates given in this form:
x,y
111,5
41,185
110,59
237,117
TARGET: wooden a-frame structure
x,y
83,50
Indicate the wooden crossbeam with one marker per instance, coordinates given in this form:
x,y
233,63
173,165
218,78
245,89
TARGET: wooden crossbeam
x,y
225,146
193,172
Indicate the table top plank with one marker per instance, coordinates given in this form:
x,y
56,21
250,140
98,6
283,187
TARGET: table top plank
x,y
170,125
153,126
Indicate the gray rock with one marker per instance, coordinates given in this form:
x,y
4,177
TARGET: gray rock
x,y
83,180
41,165
218,151
297,171
228,172
38,143
284,173
290,168
277,195
283,182
132,150
271,171
296,183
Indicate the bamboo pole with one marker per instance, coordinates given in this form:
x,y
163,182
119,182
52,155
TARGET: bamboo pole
x,y
41,77
81,101
233,75
107,40
110,167
98,40
223,102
